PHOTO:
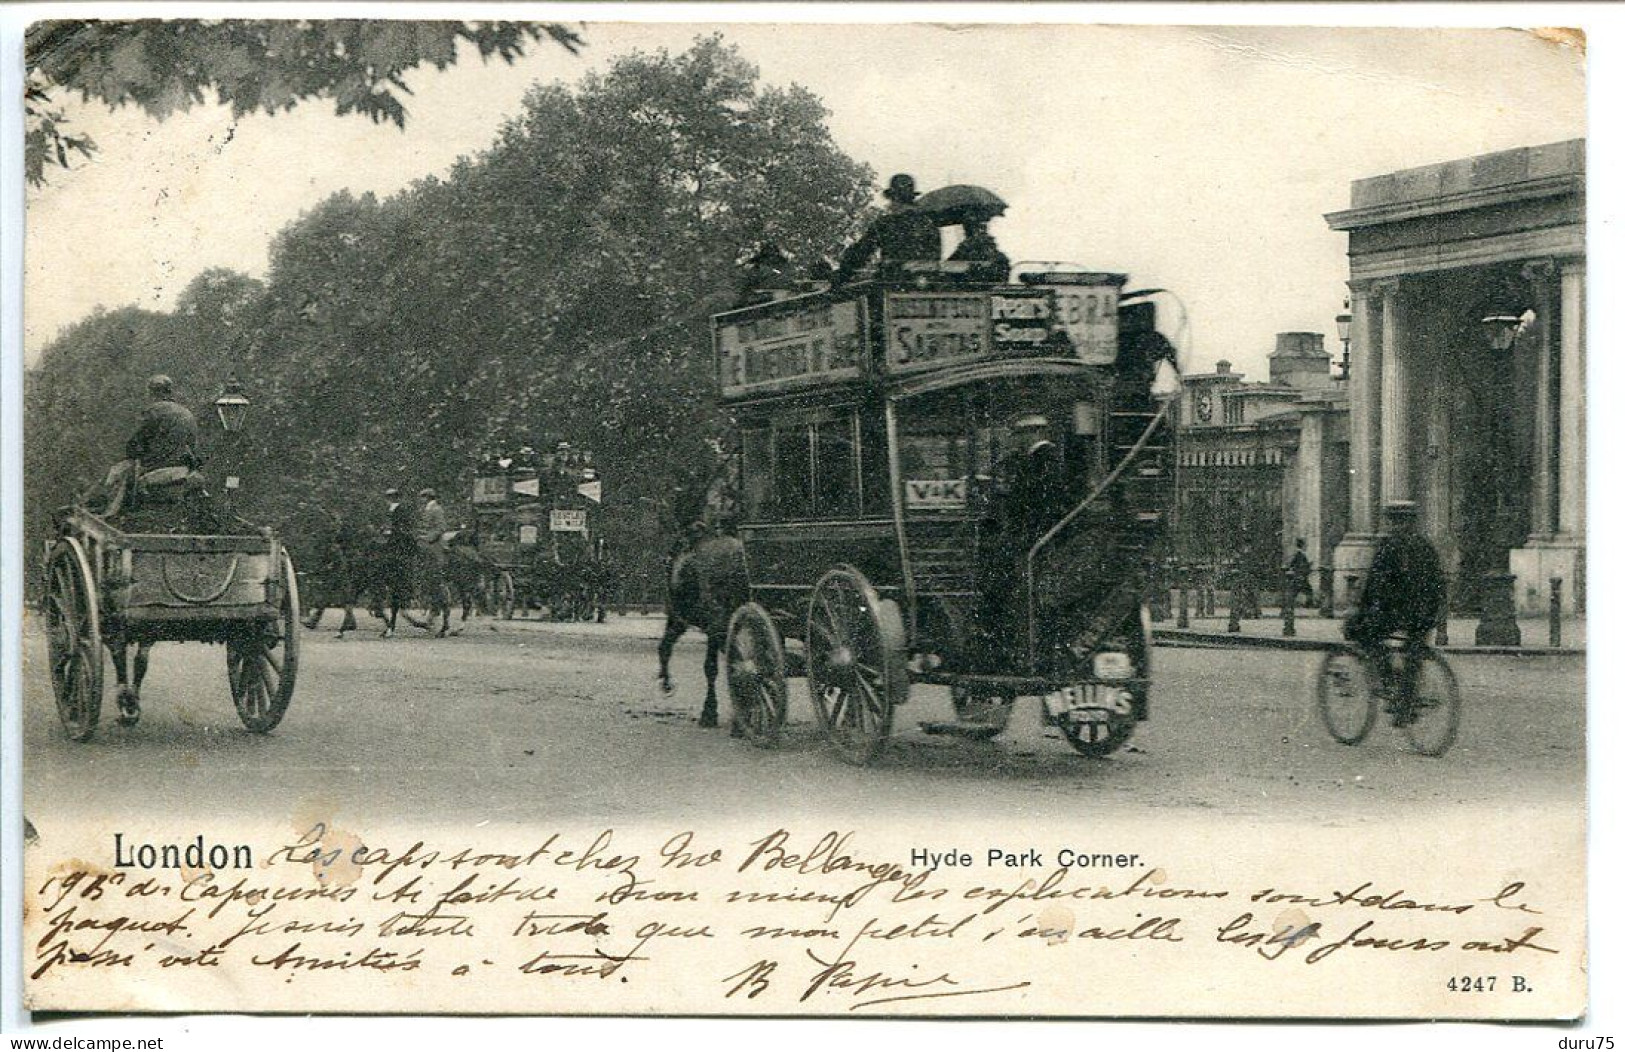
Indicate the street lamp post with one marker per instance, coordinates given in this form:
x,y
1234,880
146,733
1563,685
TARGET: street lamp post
x,y
232,409
1344,321
232,406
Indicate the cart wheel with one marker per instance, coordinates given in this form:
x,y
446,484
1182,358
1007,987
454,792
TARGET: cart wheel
x,y
856,663
73,629
756,675
1436,708
263,662
1348,705
982,715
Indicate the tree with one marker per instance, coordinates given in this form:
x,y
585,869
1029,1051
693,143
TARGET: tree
x,y
167,66
557,286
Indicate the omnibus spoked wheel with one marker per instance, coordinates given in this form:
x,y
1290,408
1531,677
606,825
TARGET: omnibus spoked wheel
x,y
1101,733
1344,696
74,639
1435,708
856,665
262,661
756,684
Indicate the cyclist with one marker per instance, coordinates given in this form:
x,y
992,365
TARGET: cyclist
x,y
1403,596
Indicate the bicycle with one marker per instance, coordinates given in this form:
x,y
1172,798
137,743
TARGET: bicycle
x,y
1347,696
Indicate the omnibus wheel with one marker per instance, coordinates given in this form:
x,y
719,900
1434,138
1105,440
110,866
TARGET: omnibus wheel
x,y
74,639
1099,732
1101,735
1435,709
262,662
856,663
1344,696
756,675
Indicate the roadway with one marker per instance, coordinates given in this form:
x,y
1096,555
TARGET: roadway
x,y
507,721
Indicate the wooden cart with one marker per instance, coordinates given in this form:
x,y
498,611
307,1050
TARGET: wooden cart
x,y
106,588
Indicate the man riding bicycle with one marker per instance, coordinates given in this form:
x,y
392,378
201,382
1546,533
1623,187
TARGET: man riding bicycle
x,y
1403,596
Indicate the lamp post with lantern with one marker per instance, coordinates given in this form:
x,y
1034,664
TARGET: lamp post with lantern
x,y
1344,322
231,407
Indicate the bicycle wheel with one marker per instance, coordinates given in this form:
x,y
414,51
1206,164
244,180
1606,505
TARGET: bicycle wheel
x,y
1435,709
1348,705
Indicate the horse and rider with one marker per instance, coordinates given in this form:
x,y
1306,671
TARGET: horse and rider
x,y
412,555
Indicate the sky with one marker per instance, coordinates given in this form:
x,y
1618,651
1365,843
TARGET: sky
x,y
1201,160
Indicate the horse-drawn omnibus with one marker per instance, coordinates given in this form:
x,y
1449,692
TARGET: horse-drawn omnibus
x,y
539,534
878,427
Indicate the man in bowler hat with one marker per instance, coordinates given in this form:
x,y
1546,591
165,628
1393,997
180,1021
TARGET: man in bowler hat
x,y
902,234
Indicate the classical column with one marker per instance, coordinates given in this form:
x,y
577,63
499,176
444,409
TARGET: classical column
x,y
1395,440
1364,409
1571,406
1311,454
1542,498
1437,482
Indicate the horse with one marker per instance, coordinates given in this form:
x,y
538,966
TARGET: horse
x,y
345,574
468,574
408,567
129,690
707,582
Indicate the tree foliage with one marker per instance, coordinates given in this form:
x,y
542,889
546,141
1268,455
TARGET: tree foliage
x,y
557,286
166,66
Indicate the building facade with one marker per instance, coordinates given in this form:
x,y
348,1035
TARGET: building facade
x,y
1467,386
1263,465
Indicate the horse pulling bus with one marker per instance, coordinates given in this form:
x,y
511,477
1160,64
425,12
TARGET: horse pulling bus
x,y
886,533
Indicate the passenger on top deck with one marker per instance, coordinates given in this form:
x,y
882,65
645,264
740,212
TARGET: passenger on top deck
x,y
903,234
765,276
979,247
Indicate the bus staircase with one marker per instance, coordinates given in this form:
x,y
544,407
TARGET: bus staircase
x,y
1087,576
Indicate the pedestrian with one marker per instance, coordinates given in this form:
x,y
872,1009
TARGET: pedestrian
x,y
1297,576
902,234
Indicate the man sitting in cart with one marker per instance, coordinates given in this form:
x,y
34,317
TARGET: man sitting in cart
x,y
1029,497
160,457
902,234
167,434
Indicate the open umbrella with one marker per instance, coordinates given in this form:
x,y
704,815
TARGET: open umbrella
x,y
952,205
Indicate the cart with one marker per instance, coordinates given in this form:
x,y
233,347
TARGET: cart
x,y
871,430
109,588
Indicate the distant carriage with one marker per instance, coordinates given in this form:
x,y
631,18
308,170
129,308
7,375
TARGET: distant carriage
x,y
543,548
